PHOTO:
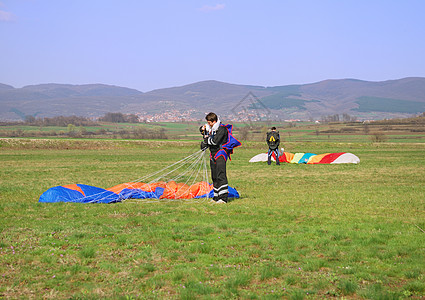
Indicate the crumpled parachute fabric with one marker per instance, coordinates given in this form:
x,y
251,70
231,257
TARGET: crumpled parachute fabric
x,y
81,193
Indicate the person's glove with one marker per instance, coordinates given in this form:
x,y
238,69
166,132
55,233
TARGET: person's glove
x,y
203,146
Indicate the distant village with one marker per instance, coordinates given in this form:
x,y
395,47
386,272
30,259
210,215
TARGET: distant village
x,y
243,116
193,115
172,115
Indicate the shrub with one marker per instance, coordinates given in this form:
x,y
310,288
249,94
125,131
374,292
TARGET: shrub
x,y
378,137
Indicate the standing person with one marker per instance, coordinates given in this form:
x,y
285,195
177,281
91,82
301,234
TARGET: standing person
x,y
273,141
219,139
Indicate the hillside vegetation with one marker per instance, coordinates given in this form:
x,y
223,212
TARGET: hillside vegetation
x,y
367,104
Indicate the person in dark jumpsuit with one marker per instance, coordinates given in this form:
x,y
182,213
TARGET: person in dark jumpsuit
x,y
215,136
273,141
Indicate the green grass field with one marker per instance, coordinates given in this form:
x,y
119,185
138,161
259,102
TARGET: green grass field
x,y
297,232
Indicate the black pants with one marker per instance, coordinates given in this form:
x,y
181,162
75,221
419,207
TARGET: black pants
x,y
219,178
269,156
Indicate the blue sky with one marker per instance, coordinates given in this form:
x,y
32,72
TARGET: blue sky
x,y
148,45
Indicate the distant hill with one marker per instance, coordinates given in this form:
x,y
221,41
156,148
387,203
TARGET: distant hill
x,y
5,87
48,100
385,99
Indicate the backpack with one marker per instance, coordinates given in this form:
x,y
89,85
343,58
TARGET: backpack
x,y
231,143
273,139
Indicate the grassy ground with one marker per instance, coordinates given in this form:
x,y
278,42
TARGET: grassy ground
x,y
298,231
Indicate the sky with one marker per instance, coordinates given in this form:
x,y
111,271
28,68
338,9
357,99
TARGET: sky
x,y
147,45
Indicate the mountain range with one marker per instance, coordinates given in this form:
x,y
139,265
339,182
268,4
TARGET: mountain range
x,y
364,99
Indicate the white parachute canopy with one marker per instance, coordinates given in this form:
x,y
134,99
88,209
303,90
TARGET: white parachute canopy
x,y
347,158
260,157
263,156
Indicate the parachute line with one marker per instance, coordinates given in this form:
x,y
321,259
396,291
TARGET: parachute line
x,y
188,171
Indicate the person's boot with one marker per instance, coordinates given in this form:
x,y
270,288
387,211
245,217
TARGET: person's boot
x,y
223,200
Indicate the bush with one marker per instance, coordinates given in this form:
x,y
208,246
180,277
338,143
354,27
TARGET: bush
x,y
378,137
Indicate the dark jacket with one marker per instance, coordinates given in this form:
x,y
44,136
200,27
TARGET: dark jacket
x,y
216,140
273,139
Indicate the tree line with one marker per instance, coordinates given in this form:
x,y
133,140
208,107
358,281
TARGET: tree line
x,y
75,127
64,121
82,132
61,121
336,118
